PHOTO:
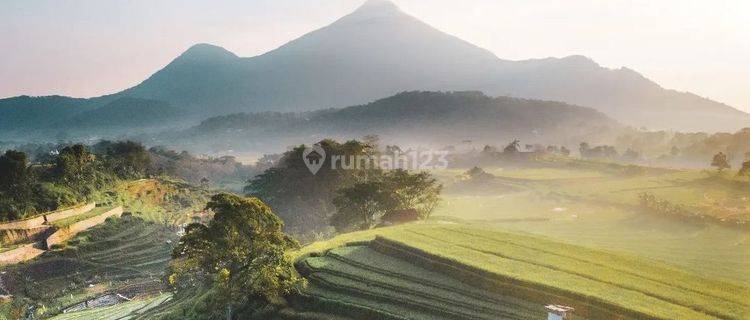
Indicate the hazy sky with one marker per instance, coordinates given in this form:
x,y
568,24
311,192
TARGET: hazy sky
x,y
91,47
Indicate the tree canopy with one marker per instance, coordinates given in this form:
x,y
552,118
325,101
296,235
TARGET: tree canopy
x,y
240,252
359,206
305,200
720,161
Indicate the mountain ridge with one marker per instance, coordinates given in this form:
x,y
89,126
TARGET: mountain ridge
x,y
378,50
418,117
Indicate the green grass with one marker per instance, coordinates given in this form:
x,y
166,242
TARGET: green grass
x,y
643,286
546,173
604,213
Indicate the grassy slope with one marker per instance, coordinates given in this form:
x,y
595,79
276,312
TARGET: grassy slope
x,y
629,282
574,206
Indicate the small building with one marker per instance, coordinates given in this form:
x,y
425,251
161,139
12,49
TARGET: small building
x,y
559,312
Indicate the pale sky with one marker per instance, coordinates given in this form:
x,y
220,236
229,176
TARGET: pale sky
x,y
88,48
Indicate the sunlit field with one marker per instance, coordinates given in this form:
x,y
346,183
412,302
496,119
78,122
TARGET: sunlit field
x,y
388,266
601,210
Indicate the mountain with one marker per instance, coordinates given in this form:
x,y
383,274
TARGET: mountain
x,y
416,117
125,112
378,51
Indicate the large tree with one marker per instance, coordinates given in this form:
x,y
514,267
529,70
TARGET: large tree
x,y
745,170
305,200
73,163
419,191
13,170
16,196
127,159
362,204
240,252
720,161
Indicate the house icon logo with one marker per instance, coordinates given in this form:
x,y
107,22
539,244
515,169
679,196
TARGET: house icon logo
x,y
313,157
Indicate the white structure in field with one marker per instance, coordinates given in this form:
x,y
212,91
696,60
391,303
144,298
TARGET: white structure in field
x,y
558,312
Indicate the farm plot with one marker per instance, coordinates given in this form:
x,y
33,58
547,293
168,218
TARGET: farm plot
x,y
461,269
126,310
120,252
395,287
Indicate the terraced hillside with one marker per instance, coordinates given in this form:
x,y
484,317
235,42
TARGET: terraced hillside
x,y
126,255
117,254
455,271
390,287
127,310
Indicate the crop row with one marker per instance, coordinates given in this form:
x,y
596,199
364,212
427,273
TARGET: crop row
x,y
639,268
605,276
421,294
406,272
426,308
125,310
469,270
406,289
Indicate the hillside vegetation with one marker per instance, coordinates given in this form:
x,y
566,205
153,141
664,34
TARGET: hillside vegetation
x,y
388,272
414,265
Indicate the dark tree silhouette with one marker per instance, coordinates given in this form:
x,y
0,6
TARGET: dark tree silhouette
x,y
721,162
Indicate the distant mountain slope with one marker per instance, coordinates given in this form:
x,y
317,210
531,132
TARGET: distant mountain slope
x,y
409,117
26,112
378,51
126,112
60,117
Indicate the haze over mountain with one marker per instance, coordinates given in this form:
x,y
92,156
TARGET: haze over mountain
x,y
419,118
378,51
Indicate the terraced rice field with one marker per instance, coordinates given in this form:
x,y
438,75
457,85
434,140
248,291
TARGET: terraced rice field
x,y
72,220
120,252
123,311
456,271
396,287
